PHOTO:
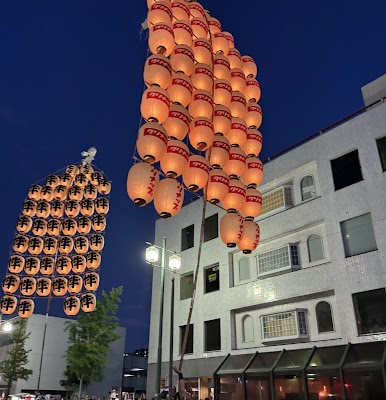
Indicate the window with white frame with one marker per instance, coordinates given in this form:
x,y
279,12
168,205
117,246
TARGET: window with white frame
x,y
308,187
277,199
284,325
248,329
244,270
315,248
277,260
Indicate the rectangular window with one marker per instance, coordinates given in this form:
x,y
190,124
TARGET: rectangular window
x,y
244,272
212,278
186,286
285,325
370,311
212,335
187,237
279,259
381,143
358,235
211,228
189,343
276,199
346,170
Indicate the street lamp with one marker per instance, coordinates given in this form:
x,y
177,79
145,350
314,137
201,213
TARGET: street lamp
x,y
7,327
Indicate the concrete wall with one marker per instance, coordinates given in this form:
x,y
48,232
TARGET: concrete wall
x,y
374,90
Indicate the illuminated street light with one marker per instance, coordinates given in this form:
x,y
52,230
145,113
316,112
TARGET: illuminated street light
x,y
7,327
152,254
175,262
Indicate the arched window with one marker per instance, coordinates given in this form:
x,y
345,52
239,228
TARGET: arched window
x,y
315,248
248,330
308,187
324,317
244,272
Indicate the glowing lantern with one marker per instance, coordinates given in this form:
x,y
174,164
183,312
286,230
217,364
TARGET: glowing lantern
x,y
81,245
254,143
231,229
251,237
180,89
177,123
220,152
8,305
63,265
72,208
97,242
87,170
53,181
161,39
43,286
201,104
29,208
43,209
221,67
254,172
53,227
202,77
180,10
201,133
72,170
35,245
11,284
220,45
59,286
159,12
47,265
84,225
20,244
253,204
235,198
238,132
230,38
24,224
196,173
202,50
249,66
182,32
81,180
71,305
252,90
50,246
102,205
90,192
87,207
95,178
65,179
75,193
234,58
151,2
218,185
214,25
157,71
16,264
235,166
91,281
222,92
238,105
27,286
60,192
32,265
222,119
151,142
98,223
196,10
78,264
182,59
141,181
88,302
47,193
39,227
168,197
93,260
34,192
174,161
155,104
65,244
237,80
25,308
200,28
254,115
104,186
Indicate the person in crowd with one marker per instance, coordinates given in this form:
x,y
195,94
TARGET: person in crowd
x,y
182,393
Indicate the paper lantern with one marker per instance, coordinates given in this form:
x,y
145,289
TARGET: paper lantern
x,y
39,227
81,245
183,33
87,207
159,12
34,192
201,133
81,180
235,198
251,237
102,205
237,80
155,104
8,305
24,224
202,50
53,227
87,170
47,265
222,92
47,193
221,67
235,166
78,264
10,283
95,178
97,242
253,204
218,184
196,10
231,229
104,187
238,133
57,209
180,10
65,179
196,173
254,115
88,302
43,287
91,281
234,58
20,244
75,193
59,286
90,192
35,245
25,308
202,77
83,225
32,265
201,104
249,66
157,71
151,2
168,197
182,59
174,161
72,208
53,181
254,173
222,119
60,192
238,106
200,28
214,25
230,38
50,246
151,142
220,152
72,170
65,244
29,208
71,305
98,223
43,209
63,265
27,286
16,264
93,260
141,181
177,123
220,45
252,146
161,39
180,89
252,90
69,227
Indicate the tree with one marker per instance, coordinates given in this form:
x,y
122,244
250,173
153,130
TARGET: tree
x,y
89,341
16,358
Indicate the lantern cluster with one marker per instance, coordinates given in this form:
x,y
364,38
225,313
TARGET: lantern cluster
x,y
58,242
202,96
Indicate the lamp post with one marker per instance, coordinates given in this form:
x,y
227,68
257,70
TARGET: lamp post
x,y
152,256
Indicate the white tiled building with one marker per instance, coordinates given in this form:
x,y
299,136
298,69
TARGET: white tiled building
x,y
317,278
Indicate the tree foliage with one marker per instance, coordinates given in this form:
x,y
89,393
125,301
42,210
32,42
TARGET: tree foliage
x,y
89,341
13,367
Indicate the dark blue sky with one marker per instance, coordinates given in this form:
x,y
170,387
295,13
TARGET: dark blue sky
x,y
71,78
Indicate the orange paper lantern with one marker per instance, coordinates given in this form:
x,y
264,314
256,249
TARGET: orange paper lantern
x,y
65,244
254,115
180,89
102,205
151,2
155,104
141,181
201,133
97,242
251,237
196,10
53,227
161,39
25,308
11,284
249,66
35,245
32,265
220,45
230,38
43,287
180,10
222,92
177,123
83,225
196,173
16,264
87,207
222,119
65,179
254,172
81,180
238,133
71,305
50,246
72,170
235,198
201,104
175,159
252,146
39,227
20,244
200,28
27,286
34,192
74,284
202,50
81,245
8,305
151,142
93,260
59,286
183,32
57,209
63,265
43,208
87,170
29,208
234,58
221,67
75,193
238,105
252,90
47,193
159,11
78,264
90,191
182,59
91,281
237,80
47,265
168,197
95,178
218,185
98,223
72,208
88,302
231,229
253,204
104,186
214,25
60,192
220,151
202,77
53,181
24,224
235,166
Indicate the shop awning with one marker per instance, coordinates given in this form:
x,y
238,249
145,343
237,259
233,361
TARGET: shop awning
x,y
263,363
235,364
293,361
326,359
365,356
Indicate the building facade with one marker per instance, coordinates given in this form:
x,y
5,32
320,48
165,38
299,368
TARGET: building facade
x,y
315,283
134,374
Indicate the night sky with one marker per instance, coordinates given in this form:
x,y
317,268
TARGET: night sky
x,y
71,78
